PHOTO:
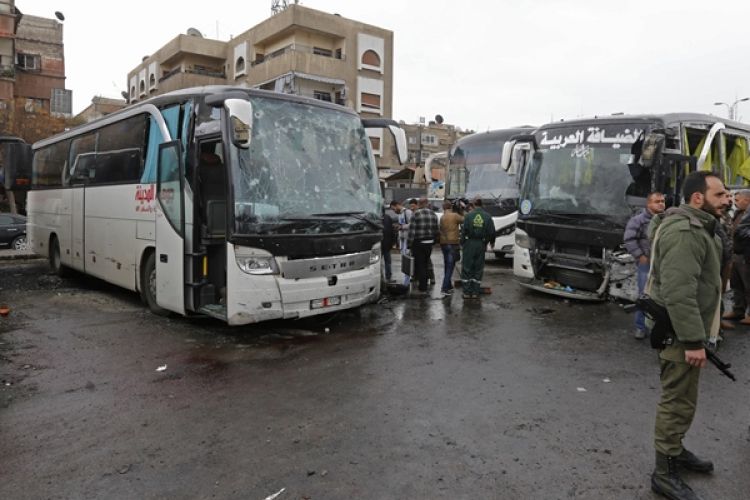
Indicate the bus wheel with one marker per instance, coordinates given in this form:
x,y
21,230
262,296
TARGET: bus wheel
x,y
54,259
148,286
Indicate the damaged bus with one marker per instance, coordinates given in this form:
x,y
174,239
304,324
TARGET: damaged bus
x,y
239,204
474,171
585,178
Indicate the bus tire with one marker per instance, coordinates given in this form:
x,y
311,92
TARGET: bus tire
x,y
55,261
148,285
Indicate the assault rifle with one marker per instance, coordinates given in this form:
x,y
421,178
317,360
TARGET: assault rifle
x,y
662,334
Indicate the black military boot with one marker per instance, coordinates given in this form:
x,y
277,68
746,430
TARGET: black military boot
x,y
688,461
667,482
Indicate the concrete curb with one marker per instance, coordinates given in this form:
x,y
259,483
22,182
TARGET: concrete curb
x,y
18,255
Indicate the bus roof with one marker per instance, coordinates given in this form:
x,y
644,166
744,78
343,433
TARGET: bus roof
x,y
10,138
499,135
667,119
182,95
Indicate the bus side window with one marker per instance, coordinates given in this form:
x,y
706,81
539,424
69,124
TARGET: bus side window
x,y
121,151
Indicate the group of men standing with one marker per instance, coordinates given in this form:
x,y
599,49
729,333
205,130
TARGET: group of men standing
x,y
683,256
418,232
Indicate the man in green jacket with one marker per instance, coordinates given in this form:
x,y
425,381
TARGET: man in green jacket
x,y
477,231
686,280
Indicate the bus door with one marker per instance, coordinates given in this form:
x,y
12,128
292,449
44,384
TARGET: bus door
x,y
83,167
170,228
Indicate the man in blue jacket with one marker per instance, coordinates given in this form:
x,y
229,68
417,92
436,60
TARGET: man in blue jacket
x,y
638,245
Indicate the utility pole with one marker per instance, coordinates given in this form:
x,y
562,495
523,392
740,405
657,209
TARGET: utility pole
x,y
421,127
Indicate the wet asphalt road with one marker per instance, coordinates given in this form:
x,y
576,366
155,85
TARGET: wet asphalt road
x,y
519,396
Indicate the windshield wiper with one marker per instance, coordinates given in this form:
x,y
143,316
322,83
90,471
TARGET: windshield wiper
x,y
355,215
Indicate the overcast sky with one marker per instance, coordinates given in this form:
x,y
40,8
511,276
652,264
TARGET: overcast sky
x,y
480,64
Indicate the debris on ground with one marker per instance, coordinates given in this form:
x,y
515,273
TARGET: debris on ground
x,y
275,495
540,310
161,368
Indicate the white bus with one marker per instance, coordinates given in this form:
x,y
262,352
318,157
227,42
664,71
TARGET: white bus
x,y
239,204
474,171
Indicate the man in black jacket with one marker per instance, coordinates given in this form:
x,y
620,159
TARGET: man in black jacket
x,y
423,232
740,274
390,235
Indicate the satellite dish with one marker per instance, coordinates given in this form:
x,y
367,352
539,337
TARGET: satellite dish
x,y
439,119
194,32
59,16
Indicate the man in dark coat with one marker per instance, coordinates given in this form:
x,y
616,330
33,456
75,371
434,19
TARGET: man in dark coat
x,y
423,233
390,235
639,246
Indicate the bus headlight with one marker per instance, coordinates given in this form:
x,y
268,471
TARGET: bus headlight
x,y
256,262
375,254
523,240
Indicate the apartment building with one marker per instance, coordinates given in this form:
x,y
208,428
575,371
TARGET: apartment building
x,y
99,108
299,51
34,103
432,137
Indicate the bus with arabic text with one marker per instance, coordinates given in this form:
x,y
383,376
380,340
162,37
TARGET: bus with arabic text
x,y
585,178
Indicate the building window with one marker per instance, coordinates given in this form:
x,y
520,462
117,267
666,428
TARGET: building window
x,y
371,58
152,81
429,139
239,66
132,92
142,87
33,105
29,61
322,96
375,142
339,54
370,101
62,101
322,52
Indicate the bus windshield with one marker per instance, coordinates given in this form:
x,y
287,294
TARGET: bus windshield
x,y
581,171
475,171
308,170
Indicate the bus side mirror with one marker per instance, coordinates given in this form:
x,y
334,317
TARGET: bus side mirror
x,y
400,137
505,157
240,112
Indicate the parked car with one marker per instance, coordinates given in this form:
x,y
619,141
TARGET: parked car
x,y
13,231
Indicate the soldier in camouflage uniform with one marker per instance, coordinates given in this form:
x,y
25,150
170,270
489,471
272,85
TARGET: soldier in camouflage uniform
x,y
477,231
686,280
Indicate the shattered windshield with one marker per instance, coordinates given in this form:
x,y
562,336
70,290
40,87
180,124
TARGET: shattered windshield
x,y
581,171
308,170
476,171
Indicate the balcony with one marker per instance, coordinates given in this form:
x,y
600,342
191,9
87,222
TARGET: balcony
x,y
302,49
195,70
298,61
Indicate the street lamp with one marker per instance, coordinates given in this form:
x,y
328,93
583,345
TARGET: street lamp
x,y
732,108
